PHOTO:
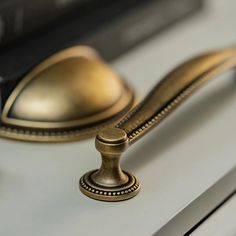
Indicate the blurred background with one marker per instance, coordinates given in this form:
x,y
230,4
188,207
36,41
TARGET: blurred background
x,y
32,30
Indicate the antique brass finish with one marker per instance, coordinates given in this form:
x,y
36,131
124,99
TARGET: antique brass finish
x,y
69,96
110,183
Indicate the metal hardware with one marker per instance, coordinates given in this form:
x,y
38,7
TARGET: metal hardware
x,y
110,183
69,96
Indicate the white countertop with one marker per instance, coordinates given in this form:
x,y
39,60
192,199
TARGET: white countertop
x,y
175,163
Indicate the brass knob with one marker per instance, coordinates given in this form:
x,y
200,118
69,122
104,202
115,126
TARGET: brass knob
x,y
110,183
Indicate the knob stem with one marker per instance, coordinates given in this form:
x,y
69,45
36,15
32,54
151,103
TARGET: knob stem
x,y
110,173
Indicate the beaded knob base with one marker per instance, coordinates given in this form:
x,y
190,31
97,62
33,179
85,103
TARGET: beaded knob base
x,y
111,194
110,182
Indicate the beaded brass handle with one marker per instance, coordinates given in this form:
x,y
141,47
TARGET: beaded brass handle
x,y
110,182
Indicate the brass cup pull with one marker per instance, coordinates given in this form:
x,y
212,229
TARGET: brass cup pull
x,y
69,96
110,182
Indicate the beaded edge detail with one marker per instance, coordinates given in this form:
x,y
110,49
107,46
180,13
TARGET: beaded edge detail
x,y
164,111
97,191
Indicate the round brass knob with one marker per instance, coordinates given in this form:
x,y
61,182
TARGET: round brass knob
x,y
110,182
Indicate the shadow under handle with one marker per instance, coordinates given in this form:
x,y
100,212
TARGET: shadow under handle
x,y
110,182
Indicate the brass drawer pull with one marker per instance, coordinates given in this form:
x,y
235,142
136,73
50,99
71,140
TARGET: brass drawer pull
x,y
110,182
58,99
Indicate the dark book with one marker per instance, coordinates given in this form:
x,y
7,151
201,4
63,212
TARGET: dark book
x,y
18,18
